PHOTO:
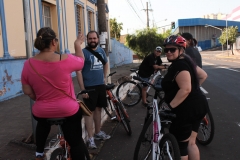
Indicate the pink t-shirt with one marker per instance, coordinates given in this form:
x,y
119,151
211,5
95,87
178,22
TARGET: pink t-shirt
x,y
50,102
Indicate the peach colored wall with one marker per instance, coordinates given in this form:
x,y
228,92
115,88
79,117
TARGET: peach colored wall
x,y
71,24
15,28
1,42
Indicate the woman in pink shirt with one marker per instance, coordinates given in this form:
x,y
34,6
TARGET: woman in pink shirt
x,y
50,102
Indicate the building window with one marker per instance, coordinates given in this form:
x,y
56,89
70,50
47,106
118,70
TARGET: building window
x,y
46,13
80,26
90,21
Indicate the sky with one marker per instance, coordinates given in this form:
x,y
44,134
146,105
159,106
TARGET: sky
x,y
131,12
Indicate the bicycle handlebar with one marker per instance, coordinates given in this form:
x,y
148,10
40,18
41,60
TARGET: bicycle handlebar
x,y
112,74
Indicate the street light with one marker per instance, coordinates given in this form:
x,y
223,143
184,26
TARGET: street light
x,y
207,25
227,33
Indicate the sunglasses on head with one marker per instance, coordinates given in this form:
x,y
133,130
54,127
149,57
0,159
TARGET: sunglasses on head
x,y
172,50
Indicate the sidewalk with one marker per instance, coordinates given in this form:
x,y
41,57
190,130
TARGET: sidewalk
x,y
16,124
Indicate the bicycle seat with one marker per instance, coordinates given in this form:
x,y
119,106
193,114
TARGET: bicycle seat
x,y
56,121
133,70
110,86
166,114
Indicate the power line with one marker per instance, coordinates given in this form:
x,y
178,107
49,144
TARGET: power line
x,y
142,3
134,10
136,6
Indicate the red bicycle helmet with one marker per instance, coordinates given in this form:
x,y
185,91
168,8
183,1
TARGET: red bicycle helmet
x,y
176,41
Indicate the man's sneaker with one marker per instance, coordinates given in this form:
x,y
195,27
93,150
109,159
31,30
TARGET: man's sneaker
x,y
101,136
91,144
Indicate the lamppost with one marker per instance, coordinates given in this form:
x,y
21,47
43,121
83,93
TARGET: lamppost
x,y
207,25
227,33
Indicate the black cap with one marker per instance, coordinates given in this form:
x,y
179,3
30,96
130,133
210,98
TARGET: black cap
x,y
187,36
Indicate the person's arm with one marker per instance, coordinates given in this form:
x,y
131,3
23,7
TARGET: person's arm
x,y
27,90
157,67
77,46
201,74
183,80
105,67
80,82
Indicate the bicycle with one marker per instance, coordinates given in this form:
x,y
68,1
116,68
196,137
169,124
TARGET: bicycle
x,y
155,141
59,148
116,106
130,92
207,128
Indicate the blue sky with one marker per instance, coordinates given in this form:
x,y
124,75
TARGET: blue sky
x,y
132,15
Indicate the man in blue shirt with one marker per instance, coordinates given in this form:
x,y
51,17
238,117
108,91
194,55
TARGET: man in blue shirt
x,y
93,76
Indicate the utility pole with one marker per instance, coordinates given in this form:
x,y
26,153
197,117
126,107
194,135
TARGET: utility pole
x,y
102,24
147,14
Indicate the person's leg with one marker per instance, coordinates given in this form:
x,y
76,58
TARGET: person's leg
x,y
42,130
193,151
72,131
101,102
97,119
89,124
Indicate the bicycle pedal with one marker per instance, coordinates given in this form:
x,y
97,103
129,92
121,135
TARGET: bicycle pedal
x,y
113,118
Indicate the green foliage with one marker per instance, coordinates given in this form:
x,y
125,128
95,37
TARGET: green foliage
x,y
230,33
115,29
144,41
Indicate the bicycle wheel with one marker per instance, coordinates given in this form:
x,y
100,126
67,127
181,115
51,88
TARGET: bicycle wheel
x,y
206,130
169,149
57,154
129,92
143,147
124,118
108,109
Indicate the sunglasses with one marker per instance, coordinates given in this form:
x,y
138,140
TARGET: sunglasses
x,y
56,39
172,50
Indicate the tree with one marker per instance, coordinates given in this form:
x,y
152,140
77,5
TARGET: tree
x,y
144,41
115,29
229,35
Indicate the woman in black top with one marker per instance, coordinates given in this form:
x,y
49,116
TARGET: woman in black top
x,y
183,94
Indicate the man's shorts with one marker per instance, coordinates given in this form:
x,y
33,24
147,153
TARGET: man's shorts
x,y
96,98
146,79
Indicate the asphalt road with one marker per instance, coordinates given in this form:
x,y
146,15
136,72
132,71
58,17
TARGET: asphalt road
x,y
223,86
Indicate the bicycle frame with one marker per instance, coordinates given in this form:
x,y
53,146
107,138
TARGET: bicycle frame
x,y
152,79
156,130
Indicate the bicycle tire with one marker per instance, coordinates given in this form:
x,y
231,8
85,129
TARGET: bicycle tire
x,y
124,118
168,140
57,154
206,130
143,147
108,109
129,93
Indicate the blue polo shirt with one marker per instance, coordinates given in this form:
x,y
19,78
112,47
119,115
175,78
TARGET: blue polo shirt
x,y
93,71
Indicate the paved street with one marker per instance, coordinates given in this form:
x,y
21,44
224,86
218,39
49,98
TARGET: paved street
x,y
222,85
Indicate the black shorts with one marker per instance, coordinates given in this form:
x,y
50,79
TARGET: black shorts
x,y
188,118
96,98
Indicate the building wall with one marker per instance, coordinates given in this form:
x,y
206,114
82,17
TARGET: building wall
x,y
13,49
207,36
15,35
120,54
